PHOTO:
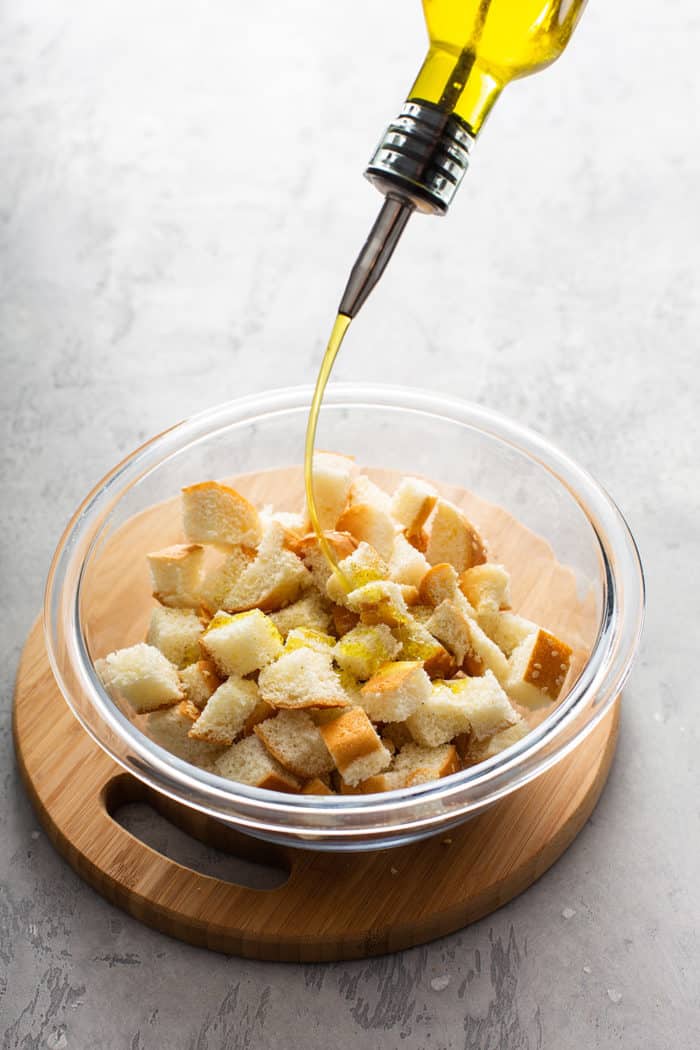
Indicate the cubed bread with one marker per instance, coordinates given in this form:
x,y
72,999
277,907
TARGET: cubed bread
x,y
417,643
439,718
226,712
486,587
306,638
221,579
249,762
309,550
276,578
356,749
396,735
379,602
199,681
480,750
506,629
363,650
309,611
395,691
412,505
241,643
364,490
363,566
215,513
487,706
141,675
176,574
537,669
370,524
343,619
416,764
294,739
406,564
316,787
260,712
463,637
303,678
170,728
176,632
295,524
332,477
441,584
452,538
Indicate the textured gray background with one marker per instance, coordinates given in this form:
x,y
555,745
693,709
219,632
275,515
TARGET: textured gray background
x,y
180,198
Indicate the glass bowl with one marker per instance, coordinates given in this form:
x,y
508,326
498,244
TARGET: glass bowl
x,y
98,591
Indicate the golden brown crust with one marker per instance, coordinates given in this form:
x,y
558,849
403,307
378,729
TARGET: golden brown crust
x,y
390,677
350,737
274,781
189,710
368,523
177,552
316,787
260,712
342,544
344,619
438,584
301,705
548,664
451,764
415,533
441,665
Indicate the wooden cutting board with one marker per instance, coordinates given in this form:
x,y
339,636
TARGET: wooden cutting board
x,y
333,905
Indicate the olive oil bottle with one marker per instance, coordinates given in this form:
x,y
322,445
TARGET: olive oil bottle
x,y
476,48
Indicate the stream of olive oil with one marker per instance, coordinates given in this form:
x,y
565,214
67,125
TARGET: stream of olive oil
x,y
342,323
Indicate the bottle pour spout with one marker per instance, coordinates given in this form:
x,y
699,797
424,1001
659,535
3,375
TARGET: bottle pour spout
x,y
378,249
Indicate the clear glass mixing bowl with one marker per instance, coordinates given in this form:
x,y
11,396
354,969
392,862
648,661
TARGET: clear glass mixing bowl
x,y
98,596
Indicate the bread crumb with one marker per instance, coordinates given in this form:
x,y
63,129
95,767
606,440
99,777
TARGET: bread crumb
x,y
438,984
394,871
447,842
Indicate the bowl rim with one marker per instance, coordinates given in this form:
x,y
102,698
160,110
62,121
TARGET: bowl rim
x,y
603,675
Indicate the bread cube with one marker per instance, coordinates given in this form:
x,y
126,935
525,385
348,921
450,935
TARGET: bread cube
x,y
395,691
215,513
506,629
356,749
453,539
316,787
242,643
439,718
343,620
332,476
169,728
412,505
487,706
481,750
308,612
276,578
441,584
537,669
306,638
226,712
417,643
379,602
199,681
463,637
486,587
222,578
370,524
176,574
416,764
309,550
363,650
364,490
363,566
260,712
249,762
406,564
303,678
142,676
176,632
396,735
294,739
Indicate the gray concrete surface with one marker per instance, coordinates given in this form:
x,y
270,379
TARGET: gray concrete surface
x,y
149,268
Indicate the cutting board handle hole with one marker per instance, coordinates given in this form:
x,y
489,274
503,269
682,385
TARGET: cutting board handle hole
x,y
136,815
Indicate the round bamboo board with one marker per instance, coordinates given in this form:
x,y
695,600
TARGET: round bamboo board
x,y
332,906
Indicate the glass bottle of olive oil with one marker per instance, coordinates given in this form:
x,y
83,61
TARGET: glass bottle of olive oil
x,y
476,48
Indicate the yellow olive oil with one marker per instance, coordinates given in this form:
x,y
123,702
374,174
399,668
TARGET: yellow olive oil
x,y
478,46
